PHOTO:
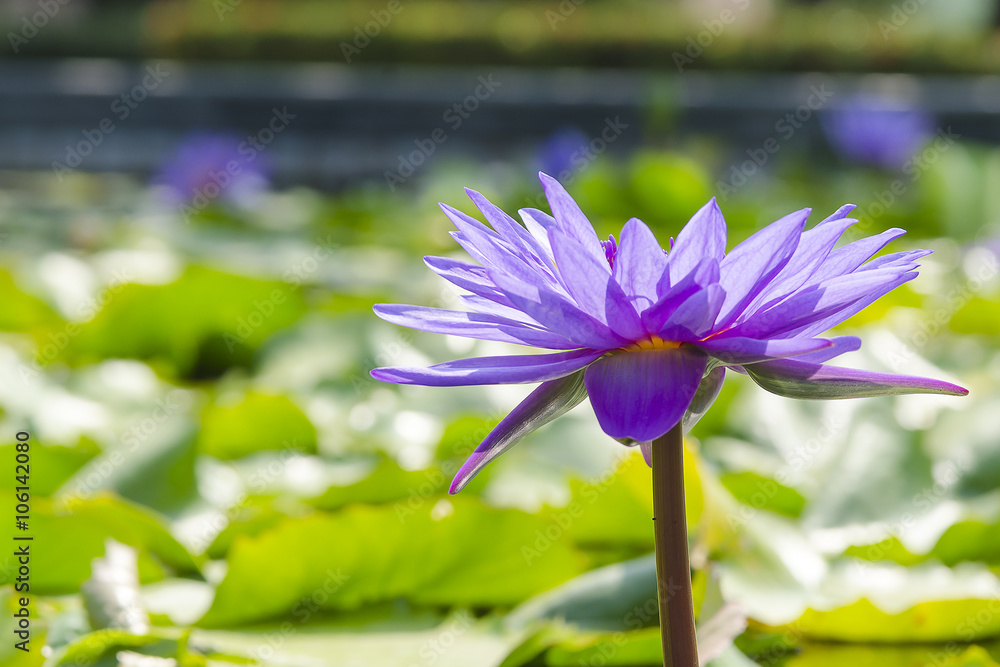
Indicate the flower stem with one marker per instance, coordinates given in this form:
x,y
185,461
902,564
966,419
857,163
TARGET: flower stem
x,y
673,571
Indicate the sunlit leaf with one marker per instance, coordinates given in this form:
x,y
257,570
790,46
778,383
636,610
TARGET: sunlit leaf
x,y
448,552
386,483
763,493
85,525
255,421
203,322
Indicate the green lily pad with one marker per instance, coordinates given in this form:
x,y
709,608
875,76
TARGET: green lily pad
x,y
617,509
23,312
373,636
68,536
204,322
52,465
937,621
444,552
387,483
763,493
256,421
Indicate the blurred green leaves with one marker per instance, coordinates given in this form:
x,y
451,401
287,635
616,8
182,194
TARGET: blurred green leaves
x,y
84,525
311,500
200,324
237,426
431,555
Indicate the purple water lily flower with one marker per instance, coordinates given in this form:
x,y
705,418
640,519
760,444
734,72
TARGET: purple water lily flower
x,y
209,167
563,153
876,130
647,334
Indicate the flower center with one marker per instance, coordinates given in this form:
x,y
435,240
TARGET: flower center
x,y
652,343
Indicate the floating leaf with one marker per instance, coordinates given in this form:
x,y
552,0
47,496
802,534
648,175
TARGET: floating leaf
x,y
203,322
51,466
763,493
373,636
256,421
617,509
444,552
67,537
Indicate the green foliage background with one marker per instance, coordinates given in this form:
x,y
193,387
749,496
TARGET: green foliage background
x,y
199,393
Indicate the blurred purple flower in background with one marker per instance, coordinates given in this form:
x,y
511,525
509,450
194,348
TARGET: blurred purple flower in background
x,y
562,153
213,167
876,130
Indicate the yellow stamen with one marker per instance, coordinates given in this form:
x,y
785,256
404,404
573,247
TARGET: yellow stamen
x,y
652,343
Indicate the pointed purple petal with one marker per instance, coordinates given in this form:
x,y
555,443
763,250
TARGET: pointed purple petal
x,y
904,260
845,260
814,247
556,312
838,316
466,223
487,248
549,401
639,264
500,308
538,224
798,379
839,214
470,325
693,318
516,369
703,237
739,351
745,271
590,284
467,276
819,302
569,217
642,395
706,273
508,228
647,452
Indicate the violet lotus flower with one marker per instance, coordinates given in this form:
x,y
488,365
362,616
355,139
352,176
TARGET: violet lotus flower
x,y
209,166
563,153
648,334
877,131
